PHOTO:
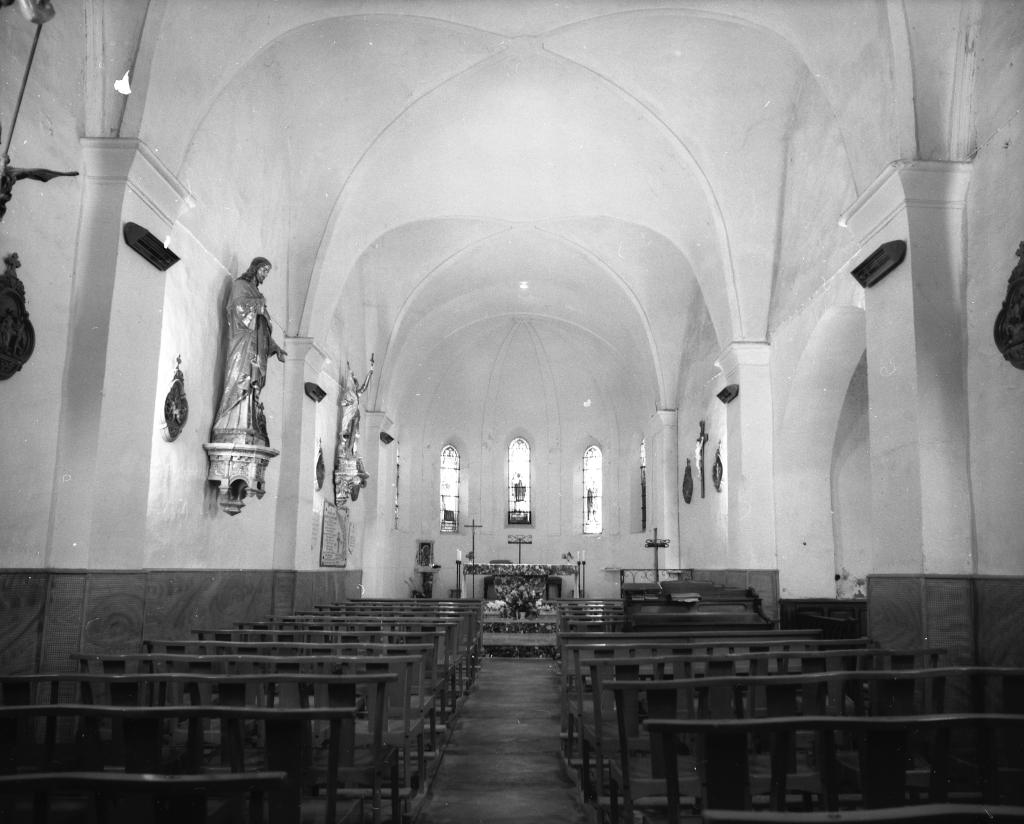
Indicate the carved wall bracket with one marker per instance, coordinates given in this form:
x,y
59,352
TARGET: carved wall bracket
x,y
350,476
1009,327
17,337
238,469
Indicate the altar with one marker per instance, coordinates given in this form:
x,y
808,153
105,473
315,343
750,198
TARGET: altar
x,y
521,586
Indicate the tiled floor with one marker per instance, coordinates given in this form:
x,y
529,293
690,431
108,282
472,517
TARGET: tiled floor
x,y
502,763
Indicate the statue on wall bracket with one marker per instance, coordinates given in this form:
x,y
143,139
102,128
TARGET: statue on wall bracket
x,y
17,337
240,449
350,473
1009,327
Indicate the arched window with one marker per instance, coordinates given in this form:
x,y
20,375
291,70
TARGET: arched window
x,y
643,485
519,482
449,489
592,491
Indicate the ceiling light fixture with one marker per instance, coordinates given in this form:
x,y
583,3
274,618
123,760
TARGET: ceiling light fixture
x,y
524,284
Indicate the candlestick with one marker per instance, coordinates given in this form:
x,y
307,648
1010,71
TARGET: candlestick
x,y
458,555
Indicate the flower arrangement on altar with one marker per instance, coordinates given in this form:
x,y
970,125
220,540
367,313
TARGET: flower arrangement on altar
x,y
524,598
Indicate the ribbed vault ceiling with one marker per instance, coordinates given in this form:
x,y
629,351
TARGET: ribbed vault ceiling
x,y
623,163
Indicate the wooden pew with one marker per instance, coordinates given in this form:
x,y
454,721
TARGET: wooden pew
x,y
429,684
463,629
175,771
927,813
736,656
638,772
408,707
163,797
882,746
367,763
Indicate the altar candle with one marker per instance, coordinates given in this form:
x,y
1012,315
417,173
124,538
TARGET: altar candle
x,y
458,555
583,556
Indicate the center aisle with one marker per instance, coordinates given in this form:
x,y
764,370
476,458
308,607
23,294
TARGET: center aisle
x,y
502,762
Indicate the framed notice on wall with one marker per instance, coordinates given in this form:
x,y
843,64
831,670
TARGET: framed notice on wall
x,y
333,537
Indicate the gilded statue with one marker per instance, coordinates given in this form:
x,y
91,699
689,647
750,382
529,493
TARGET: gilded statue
x,y
352,392
240,418
350,473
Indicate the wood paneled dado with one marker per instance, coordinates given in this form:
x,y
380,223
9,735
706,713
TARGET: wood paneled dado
x,y
765,582
976,617
47,614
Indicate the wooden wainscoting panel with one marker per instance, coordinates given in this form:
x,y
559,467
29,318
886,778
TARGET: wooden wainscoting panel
x,y
1000,611
284,592
62,622
114,611
895,610
326,586
949,617
22,604
179,600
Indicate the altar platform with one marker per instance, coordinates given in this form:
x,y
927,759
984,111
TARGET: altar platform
x,y
533,637
519,620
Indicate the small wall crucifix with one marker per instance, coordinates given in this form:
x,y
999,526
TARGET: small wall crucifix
x,y
702,439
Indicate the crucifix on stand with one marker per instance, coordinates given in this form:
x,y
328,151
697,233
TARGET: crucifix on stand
x,y
702,439
520,539
655,543
473,527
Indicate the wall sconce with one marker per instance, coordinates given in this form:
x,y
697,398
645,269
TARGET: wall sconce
x,y
385,438
314,392
146,244
729,394
880,263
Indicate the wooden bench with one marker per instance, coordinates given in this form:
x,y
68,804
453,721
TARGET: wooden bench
x,y
408,706
637,771
149,747
879,746
737,656
165,798
366,764
927,813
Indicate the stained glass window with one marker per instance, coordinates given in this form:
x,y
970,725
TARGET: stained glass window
x,y
592,491
449,489
519,482
643,485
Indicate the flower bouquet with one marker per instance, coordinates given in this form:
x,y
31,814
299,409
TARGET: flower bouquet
x,y
522,599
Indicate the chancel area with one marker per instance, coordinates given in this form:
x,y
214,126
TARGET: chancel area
x,y
482,327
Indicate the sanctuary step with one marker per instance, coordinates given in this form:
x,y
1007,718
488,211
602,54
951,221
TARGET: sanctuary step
x,y
532,637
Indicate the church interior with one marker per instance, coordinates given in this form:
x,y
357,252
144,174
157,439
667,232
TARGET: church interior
x,y
722,289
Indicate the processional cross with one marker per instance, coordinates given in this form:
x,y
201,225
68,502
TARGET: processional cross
x,y
702,439
655,543
473,527
520,539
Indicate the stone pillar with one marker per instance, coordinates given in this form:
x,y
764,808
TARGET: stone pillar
x,y
104,441
296,478
916,353
663,486
749,477
377,500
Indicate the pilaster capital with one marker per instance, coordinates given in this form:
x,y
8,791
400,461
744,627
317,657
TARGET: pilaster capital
x,y
129,161
376,420
306,350
742,353
929,184
663,420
